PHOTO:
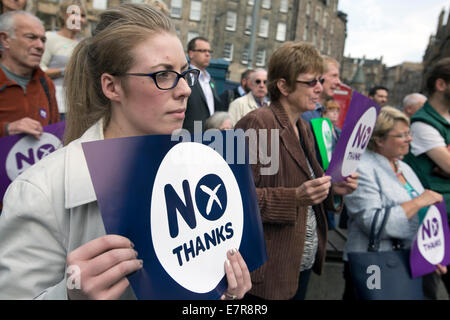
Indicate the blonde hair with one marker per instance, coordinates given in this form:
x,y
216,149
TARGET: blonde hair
x,y
386,120
327,61
290,60
62,11
158,4
109,50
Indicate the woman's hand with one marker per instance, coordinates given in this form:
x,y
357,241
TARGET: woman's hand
x,y
103,265
314,191
238,276
428,198
348,186
440,270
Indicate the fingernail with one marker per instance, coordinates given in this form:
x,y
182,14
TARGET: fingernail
x,y
228,262
232,251
135,253
131,244
141,263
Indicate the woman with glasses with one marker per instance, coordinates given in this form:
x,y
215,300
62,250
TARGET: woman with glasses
x,y
130,78
292,201
385,182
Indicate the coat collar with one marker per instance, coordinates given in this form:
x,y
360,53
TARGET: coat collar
x,y
292,144
383,164
79,189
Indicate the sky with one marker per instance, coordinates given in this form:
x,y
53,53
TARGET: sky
x,y
398,30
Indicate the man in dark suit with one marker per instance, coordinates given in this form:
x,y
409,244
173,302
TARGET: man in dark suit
x,y
203,101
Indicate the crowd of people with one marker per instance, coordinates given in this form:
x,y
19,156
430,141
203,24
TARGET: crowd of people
x,y
50,217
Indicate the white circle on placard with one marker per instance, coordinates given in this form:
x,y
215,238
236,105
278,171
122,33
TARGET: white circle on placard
x,y
327,138
358,141
430,237
27,151
190,255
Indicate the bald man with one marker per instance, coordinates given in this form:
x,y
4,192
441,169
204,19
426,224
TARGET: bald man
x,y
412,103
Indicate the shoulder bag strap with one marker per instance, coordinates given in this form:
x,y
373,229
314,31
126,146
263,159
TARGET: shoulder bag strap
x,y
374,239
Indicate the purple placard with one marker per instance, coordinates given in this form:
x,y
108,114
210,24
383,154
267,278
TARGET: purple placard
x,y
183,206
356,132
19,152
431,246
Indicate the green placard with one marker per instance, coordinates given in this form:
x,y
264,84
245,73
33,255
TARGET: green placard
x,y
323,134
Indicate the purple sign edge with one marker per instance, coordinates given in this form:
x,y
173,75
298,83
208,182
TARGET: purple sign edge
x,y
6,143
419,265
358,106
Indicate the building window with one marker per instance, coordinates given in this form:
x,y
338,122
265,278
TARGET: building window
x,y
245,56
305,33
251,2
332,28
176,7
329,48
322,44
261,58
314,41
264,28
308,8
248,25
266,4
281,31
191,35
325,20
196,10
231,21
318,14
228,51
284,6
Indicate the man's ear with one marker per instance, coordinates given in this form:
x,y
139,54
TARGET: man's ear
x,y
283,87
111,87
440,84
3,37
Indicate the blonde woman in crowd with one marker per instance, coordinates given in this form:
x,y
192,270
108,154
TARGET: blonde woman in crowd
x,y
385,182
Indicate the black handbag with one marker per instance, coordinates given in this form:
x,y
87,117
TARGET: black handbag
x,y
383,275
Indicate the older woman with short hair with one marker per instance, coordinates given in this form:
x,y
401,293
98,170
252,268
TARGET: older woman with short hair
x,y
385,182
293,200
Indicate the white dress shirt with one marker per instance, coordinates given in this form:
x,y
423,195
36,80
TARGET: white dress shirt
x,y
204,79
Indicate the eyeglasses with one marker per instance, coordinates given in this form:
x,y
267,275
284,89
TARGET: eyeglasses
x,y
168,79
404,135
203,50
259,81
312,83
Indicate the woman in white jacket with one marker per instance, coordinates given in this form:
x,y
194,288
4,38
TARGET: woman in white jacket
x,y
51,221
385,182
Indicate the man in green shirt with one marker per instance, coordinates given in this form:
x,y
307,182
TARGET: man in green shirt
x,y
429,154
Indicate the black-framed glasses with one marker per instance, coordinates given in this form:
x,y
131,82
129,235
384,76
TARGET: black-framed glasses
x,y
312,83
259,81
168,79
203,50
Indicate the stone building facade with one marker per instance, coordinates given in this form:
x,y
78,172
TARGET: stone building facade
x,y
228,23
439,44
362,73
401,80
